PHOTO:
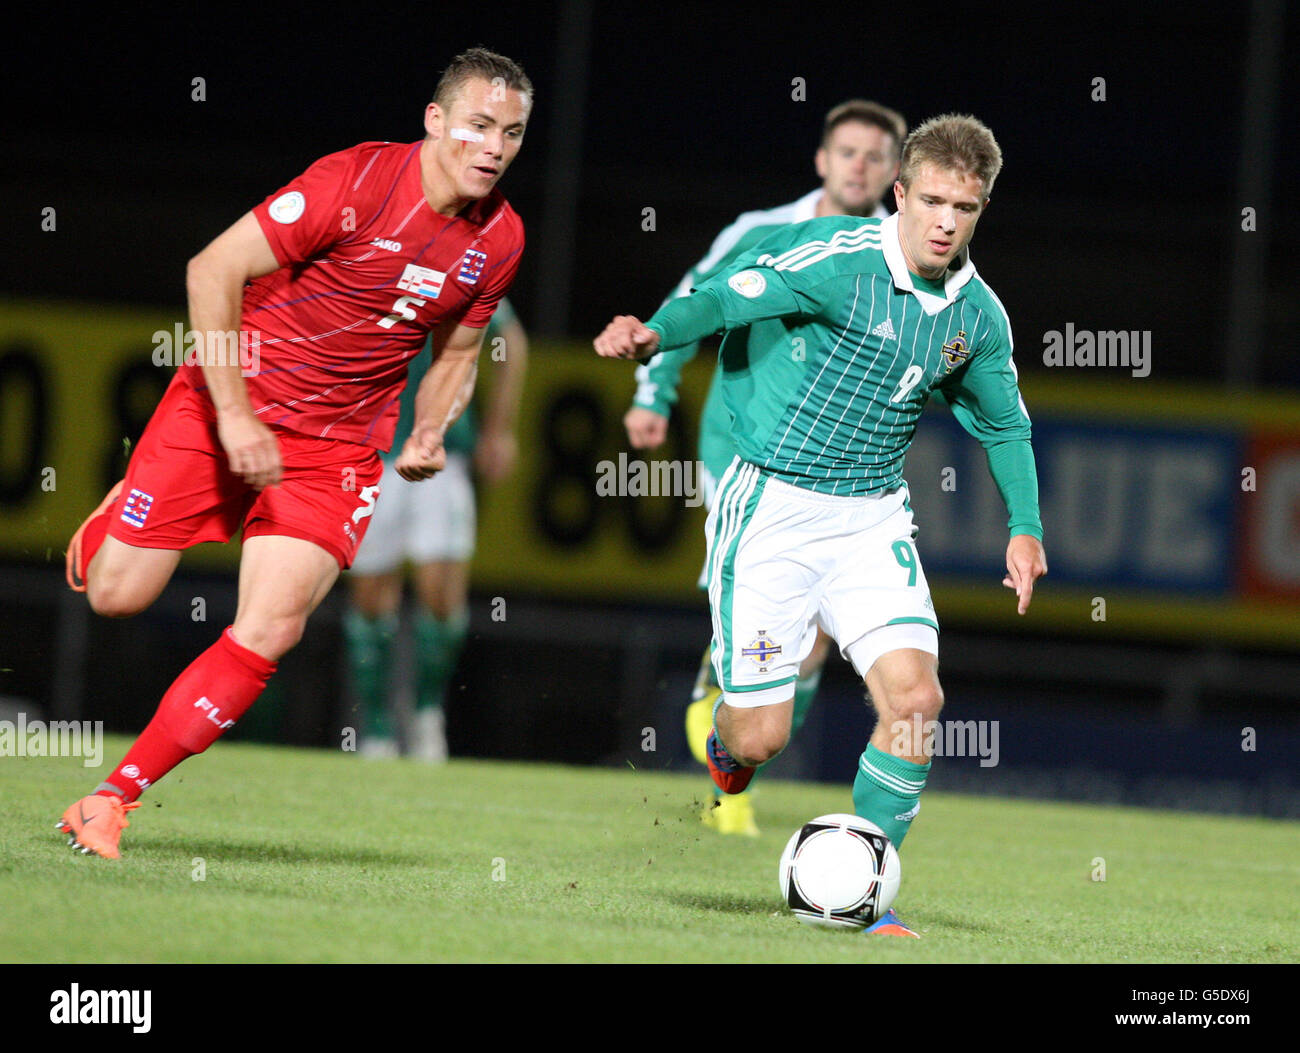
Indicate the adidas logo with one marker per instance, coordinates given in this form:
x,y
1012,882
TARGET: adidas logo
x,y
910,814
885,330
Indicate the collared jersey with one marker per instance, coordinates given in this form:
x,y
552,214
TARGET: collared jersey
x,y
833,348
657,379
368,268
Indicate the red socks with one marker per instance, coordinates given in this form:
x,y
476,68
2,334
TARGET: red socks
x,y
214,691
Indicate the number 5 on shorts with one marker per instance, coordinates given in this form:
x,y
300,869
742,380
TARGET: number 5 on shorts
x,y
367,506
906,556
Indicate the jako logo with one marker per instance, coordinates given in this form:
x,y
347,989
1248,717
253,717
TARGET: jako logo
x,y
387,243
102,1007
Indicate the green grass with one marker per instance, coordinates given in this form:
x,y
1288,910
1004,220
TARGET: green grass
x,y
311,856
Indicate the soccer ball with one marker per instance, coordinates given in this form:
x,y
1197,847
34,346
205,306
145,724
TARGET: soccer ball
x,y
839,872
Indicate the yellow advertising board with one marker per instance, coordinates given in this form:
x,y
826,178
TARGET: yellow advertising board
x,y
1178,508
78,383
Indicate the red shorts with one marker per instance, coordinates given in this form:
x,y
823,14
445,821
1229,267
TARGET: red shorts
x,y
179,490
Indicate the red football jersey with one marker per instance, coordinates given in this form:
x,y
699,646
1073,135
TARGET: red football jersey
x,y
367,269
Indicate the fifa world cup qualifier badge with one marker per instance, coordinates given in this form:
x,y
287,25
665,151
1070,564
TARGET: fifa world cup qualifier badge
x,y
761,651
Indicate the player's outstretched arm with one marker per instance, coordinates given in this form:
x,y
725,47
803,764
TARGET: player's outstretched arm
x,y
444,392
214,282
1026,563
497,447
659,376
626,337
688,319
657,380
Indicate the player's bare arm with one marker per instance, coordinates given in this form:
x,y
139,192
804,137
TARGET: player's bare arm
x,y
215,281
1026,563
627,337
497,448
442,397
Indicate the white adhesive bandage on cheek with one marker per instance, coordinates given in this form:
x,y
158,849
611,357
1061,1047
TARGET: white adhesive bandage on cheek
x,y
465,135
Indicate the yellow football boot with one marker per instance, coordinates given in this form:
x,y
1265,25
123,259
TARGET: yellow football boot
x,y
731,814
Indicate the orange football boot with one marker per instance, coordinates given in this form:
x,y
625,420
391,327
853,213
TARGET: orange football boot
x,y
95,823
889,925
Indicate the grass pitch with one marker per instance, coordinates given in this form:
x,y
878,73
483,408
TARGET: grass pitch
x,y
265,854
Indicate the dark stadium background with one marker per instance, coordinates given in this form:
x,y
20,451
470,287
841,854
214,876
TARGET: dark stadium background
x,y
1123,213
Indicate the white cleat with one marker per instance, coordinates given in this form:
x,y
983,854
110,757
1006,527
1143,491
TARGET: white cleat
x,y
429,736
381,748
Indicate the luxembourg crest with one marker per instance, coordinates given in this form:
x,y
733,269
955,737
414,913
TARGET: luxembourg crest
x,y
136,509
471,266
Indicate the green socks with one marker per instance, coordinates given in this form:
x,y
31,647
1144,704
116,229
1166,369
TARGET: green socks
x,y
370,644
438,644
805,690
887,791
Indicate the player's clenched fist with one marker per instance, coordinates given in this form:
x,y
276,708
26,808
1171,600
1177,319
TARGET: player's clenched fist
x,y
422,455
626,337
251,449
646,429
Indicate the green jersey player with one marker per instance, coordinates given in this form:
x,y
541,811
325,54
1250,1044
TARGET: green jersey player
x,y
431,526
838,331
857,161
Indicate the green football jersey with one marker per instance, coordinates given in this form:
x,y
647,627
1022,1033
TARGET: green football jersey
x,y
463,434
659,378
833,348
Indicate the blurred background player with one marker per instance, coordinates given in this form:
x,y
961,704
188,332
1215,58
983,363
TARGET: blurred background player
x,y
811,526
431,525
857,161
356,261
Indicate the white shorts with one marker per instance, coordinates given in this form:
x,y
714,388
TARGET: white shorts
x,y
425,522
783,560
709,486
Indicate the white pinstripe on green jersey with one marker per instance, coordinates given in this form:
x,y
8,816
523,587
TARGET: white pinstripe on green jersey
x,y
657,379
833,349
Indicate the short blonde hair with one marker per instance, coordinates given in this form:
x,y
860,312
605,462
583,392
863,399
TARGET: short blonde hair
x,y
954,142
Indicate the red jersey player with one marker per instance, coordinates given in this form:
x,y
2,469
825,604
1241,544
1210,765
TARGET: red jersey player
x,y
330,285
